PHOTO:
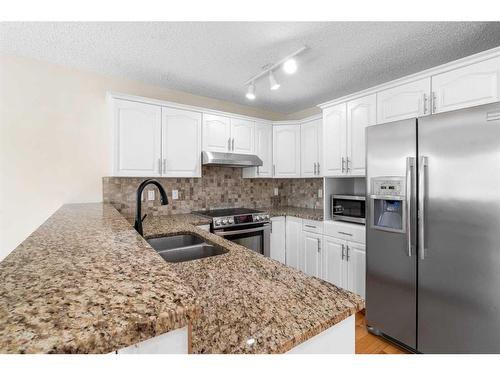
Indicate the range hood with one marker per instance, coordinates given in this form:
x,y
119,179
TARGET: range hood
x,y
227,159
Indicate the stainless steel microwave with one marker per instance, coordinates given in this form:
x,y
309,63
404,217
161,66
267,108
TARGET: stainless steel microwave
x,y
349,208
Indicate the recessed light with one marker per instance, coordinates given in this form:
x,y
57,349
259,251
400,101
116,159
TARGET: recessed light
x,y
251,92
290,66
272,82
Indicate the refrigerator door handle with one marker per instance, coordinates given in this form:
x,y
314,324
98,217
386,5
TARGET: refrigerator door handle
x,y
423,162
410,171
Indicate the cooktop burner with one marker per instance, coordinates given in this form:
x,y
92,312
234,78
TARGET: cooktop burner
x,y
227,212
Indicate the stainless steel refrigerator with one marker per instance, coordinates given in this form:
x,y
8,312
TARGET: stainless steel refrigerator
x,y
433,231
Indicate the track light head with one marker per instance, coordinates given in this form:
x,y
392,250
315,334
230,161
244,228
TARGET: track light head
x,y
290,66
251,91
272,82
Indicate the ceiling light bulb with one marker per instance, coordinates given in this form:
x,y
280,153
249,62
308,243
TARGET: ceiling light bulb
x,y
290,66
251,92
272,82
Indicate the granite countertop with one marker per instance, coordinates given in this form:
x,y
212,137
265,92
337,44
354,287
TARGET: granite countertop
x,y
87,282
300,212
245,296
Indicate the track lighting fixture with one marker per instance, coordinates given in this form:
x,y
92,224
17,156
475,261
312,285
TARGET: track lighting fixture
x,y
273,84
290,66
251,91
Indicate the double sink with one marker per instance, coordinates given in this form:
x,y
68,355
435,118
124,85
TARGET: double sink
x,y
183,248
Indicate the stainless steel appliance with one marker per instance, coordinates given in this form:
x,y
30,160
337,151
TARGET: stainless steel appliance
x,y
229,159
433,224
247,227
349,208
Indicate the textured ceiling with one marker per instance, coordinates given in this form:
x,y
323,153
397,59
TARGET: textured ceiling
x,y
215,58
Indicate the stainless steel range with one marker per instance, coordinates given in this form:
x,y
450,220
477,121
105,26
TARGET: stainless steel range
x,y
245,226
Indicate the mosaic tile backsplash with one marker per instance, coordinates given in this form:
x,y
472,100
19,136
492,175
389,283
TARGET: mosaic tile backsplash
x,y
219,187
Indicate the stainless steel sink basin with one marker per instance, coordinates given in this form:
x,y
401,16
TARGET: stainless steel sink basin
x,y
183,248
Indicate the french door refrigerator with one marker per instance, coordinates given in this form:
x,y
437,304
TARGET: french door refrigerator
x,y
433,231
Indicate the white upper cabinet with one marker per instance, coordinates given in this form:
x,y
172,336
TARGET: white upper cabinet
x,y
404,102
466,87
361,113
216,133
311,246
181,143
334,140
356,264
264,150
310,138
333,266
137,139
286,151
242,136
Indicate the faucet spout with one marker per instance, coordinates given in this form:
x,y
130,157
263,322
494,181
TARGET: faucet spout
x,y
140,189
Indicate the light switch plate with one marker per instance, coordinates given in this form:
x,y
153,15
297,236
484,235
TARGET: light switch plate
x,y
320,193
151,195
275,191
175,194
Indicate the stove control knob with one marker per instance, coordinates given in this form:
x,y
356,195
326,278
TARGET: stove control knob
x,y
230,220
258,217
224,221
217,222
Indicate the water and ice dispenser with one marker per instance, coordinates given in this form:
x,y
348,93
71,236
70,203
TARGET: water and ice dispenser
x,y
388,204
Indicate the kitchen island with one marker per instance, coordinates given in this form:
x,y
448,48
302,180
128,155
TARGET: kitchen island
x,y
86,282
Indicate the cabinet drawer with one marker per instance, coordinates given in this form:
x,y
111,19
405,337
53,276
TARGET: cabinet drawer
x,y
345,231
312,226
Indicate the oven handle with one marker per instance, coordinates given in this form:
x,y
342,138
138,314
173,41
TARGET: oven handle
x,y
241,231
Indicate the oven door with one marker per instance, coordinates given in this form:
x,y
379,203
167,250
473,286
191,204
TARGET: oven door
x,y
256,238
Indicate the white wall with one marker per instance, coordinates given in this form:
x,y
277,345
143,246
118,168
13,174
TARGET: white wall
x,y
55,138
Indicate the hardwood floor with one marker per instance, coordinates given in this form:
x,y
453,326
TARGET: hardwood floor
x,y
366,343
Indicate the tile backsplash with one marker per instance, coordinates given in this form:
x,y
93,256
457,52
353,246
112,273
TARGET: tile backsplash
x,y
219,187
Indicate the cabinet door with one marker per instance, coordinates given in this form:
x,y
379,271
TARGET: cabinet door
x,y
356,268
311,246
334,139
468,86
294,257
242,136
181,143
137,134
264,149
361,113
332,267
216,133
278,233
404,102
286,151
309,142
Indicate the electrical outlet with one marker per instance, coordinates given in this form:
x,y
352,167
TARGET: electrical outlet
x,y
320,193
275,191
175,194
151,195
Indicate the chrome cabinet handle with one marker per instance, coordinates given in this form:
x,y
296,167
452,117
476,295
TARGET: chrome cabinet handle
x,y
434,100
229,144
310,226
410,168
425,104
232,148
343,164
159,166
343,251
345,233
423,163
318,168
274,169
315,169
258,171
347,256
164,165
319,245
347,164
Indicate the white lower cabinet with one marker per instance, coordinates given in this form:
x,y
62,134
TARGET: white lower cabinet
x,y
294,257
356,268
278,239
311,247
333,265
